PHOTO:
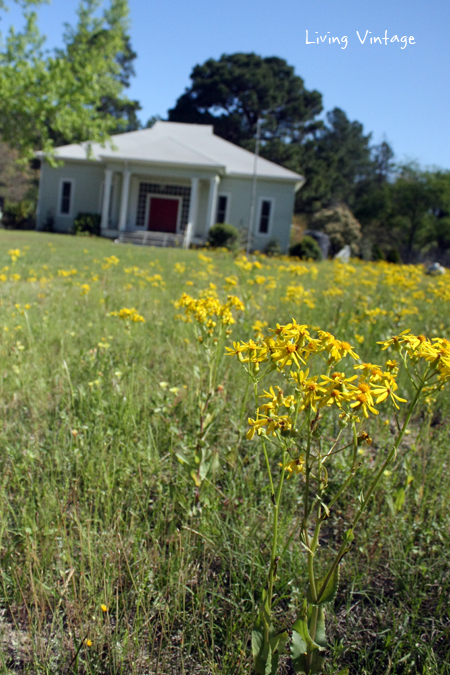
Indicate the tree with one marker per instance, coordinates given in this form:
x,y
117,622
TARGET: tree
x,y
335,161
436,232
413,199
238,89
114,106
45,96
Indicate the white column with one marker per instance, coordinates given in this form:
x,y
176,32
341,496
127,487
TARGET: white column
x,y
124,200
106,199
193,207
212,202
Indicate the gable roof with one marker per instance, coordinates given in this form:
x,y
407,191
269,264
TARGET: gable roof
x,y
183,145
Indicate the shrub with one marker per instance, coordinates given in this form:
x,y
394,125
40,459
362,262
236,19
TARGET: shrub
x,y
223,235
49,225
19,215
393,256
273,247
306,249
377,253
341,226
87,223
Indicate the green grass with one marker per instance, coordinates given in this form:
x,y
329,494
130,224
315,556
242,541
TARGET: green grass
x,y
96,509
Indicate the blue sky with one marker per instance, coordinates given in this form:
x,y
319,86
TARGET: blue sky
x,y
400,95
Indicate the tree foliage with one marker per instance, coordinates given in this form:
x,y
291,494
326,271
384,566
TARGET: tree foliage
x,y
232,93
73,94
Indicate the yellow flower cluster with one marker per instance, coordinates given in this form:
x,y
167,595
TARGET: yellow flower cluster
x,y
14,253
109,262
128,315
209,310
435,352
67,273
290,350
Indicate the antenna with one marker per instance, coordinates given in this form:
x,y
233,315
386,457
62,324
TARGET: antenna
x,y
253,200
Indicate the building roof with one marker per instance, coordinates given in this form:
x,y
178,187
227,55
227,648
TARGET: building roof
x,y
182,145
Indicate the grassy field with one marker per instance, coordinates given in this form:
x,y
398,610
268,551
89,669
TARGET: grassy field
x,y
114,557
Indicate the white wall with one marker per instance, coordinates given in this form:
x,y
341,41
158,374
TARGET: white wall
x,y
87,182
282,195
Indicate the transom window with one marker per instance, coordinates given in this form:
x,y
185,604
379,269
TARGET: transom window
x,y
222,202
66,196
264,216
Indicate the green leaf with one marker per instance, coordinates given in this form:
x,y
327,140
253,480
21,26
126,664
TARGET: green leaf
x,y
196,478
301,639
181,458
304,647
260,652
301,666
272,663
299,663
316,663
344,671
400,499
277,642
257,642
320,637
264,659
327,594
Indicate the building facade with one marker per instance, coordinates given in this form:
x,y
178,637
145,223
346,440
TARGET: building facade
x,y
174,178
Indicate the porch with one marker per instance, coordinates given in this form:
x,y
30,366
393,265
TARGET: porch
x,y
158,207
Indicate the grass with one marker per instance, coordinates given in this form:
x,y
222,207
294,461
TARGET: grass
x,y
96,508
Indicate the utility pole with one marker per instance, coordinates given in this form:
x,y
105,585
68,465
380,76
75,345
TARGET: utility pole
x,y
252,204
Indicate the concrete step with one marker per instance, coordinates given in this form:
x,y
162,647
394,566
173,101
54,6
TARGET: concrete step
x,y
147,238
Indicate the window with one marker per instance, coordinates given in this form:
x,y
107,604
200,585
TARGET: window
x,y
221,208
264,216
66,195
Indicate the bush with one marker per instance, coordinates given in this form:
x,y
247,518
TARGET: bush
x,y
341,226
87,223
377,253
273,247
19,215
223,235
306,249
393,256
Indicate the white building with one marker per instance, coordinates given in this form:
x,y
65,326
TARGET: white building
x,y
174,178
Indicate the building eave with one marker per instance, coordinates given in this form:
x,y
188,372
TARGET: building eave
x,y
296,178
109,159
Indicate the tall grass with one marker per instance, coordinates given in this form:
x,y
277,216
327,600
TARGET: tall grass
x,y
97,510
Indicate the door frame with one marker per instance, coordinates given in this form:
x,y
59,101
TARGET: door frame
x,y
150,195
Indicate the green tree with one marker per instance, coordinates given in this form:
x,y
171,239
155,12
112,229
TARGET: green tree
x,y
334,162
413,198
91,30
45,96
232,93
437,230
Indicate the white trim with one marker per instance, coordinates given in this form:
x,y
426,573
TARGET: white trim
x,y
193,212
72,197
227,209
149,196
212,201
258,232
40,193
101,197
124,206
105,202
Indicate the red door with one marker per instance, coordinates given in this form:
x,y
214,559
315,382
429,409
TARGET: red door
x,y
163,214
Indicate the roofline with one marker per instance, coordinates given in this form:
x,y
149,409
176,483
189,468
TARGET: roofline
x,y
221,169
296,178
131,160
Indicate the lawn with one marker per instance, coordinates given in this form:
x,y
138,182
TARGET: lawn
x,y
135,514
